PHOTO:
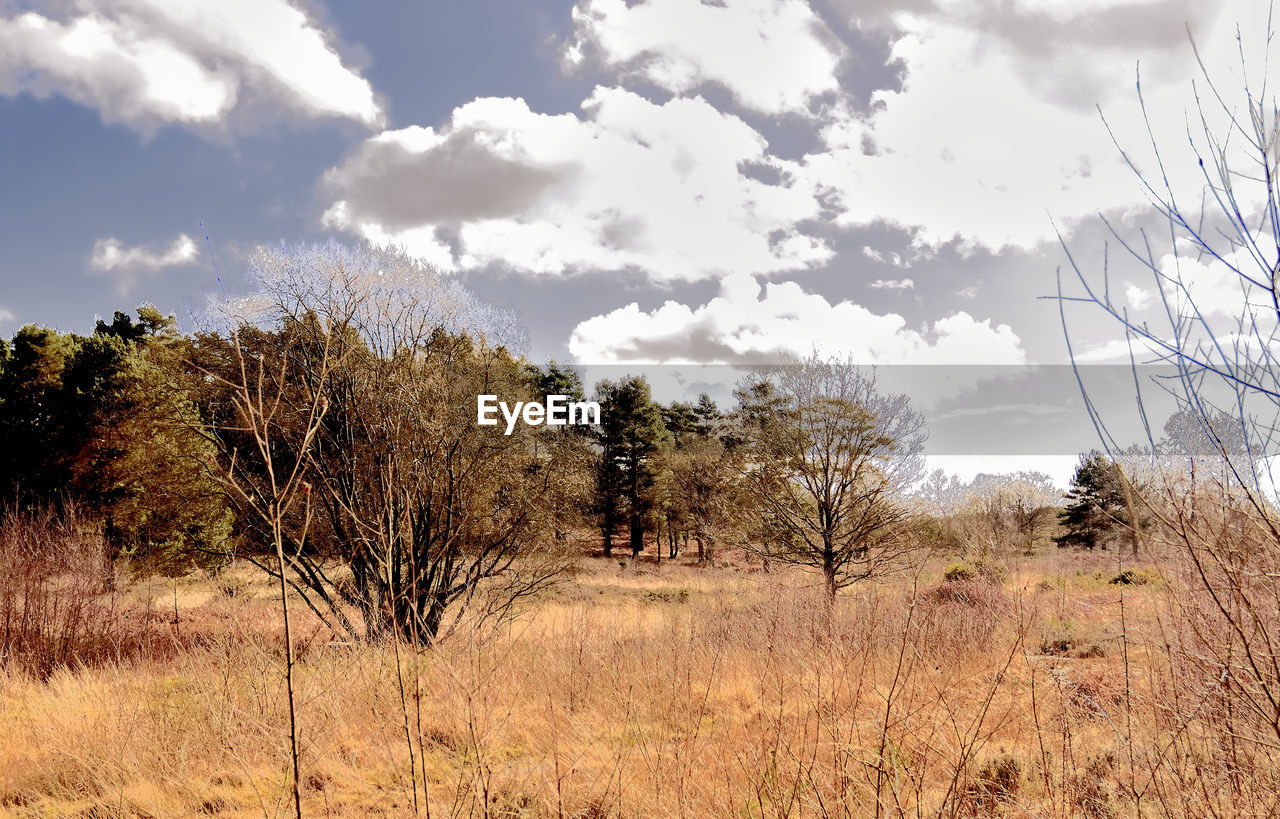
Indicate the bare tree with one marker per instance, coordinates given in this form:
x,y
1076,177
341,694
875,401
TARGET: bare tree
x,y
827,460
1212,495
275,492
1007,512
423,516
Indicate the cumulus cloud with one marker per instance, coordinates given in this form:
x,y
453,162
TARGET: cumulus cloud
x,y
6,315
126,264
629,185
1138,297
995,126
750,323
774,56
1207,298
1053,35
195,62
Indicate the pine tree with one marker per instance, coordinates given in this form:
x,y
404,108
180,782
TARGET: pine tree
x,y
630,433
1097,509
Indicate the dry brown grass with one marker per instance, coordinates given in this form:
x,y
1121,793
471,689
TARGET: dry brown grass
x,y
661,691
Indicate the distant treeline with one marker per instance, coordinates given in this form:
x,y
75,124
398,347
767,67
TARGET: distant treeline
x,y
326,428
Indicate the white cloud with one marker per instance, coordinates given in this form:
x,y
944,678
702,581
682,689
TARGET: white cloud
x,y
892,284
1205,295
774,56
1210,286
1138,297
628,185
1116,351
150,62
995,128
6,315
893,259
749,323
126,264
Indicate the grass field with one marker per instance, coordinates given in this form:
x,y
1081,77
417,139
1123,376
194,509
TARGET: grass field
x,y
636,689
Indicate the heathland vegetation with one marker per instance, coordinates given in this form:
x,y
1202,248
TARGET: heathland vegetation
x,y
276,566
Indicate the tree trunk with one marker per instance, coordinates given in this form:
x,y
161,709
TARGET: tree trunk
x,y
637,534
829,571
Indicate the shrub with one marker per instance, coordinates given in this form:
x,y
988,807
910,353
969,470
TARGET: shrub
x,y
963,572
991,572
1136,577
679,595
997,781
55,607
959,572
1063,638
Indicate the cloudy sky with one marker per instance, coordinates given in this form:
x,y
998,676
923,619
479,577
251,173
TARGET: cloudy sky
x,y
643,180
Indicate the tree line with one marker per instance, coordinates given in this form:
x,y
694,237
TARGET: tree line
x,y
326,433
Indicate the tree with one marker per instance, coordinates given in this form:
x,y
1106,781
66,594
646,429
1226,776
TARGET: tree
x,y
1097,510
565,451
696,472
428,515
138,458
827,459
1010,511
33,423
106,420
630,433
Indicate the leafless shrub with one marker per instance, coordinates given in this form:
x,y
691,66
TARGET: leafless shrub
x,y
54,610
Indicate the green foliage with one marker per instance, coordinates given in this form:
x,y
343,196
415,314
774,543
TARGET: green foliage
x,y
959,572
694,470
630,433
428,513
556,379
105,420
569,456
1097,509
33,420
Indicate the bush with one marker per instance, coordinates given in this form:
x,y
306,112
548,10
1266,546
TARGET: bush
x,y
963,572
680,595
55,607
991,572
960,572
997,781
1063,638
961,616
1136,577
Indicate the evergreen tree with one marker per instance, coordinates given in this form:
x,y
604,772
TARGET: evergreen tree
x,y
1097,509
105,420
630,433
564,450
33,421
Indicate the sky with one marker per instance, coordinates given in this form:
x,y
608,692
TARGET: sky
x,y
642,181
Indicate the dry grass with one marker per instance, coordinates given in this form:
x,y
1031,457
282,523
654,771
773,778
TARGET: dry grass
x,y
660,691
